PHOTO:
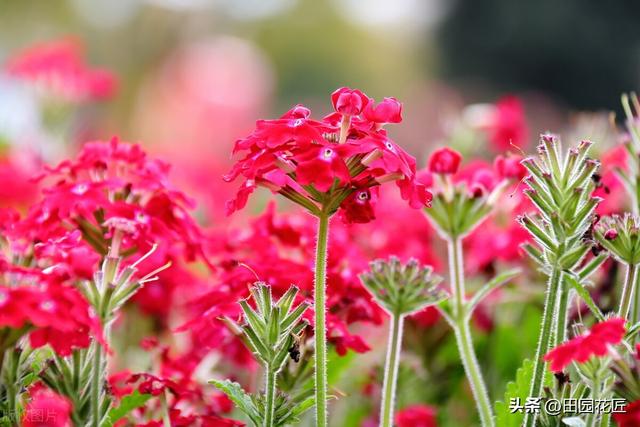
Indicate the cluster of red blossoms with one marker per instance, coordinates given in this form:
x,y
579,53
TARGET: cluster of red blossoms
x,y
45,305
595,342
58,68
347,151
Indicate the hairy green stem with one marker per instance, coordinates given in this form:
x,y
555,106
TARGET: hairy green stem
x,y
319,296
391,370
628,291
545,337
562,316
463,333
270,393
96,379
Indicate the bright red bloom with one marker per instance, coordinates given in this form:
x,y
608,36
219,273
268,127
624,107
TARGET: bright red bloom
x,y
59,67
54,312
47,409
302,158
349,102
630,417
593,343
509,125
509,167
359,207
427,317
389,110
416,416
324,166
444,161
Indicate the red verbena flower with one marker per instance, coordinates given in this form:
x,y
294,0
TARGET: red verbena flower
x,y
444,161
630,417
59,68
508,126
593,343
46,409
318,162
389,110
52,311
349,102
416,416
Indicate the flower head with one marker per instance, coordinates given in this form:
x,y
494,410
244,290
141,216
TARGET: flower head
x,y
630,417
508,126
349,102
59,68
46,409
621,236
594,342
389,110
416,416
321,164
402,288
444,161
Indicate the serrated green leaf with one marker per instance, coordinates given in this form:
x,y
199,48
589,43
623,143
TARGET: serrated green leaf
x,y
127,404
518,389
242,400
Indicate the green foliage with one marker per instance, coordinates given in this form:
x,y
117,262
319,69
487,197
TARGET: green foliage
x,y
240,398
287,410
127,404
518,389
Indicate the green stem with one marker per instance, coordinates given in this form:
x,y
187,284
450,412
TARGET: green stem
x,y
550,303
391,370
166,419
463,333
270,392
628,291
562,316
592,417
319,296
96,377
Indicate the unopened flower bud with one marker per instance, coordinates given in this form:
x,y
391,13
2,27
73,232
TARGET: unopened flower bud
x,y
444,161
610,234
349,102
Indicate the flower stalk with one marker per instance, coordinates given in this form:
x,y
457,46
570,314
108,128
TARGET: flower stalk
x,y
560,186
271,331
462,333
400,290
457,209
391,370
319,294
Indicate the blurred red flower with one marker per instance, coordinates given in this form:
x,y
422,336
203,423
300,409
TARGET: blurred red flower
x,y
593,343
416,416
46,409
630,417
508,126
59,68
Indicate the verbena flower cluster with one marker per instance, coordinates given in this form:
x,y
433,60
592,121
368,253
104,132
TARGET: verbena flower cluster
x,y
124,303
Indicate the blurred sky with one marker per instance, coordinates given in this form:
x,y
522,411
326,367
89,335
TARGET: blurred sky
x,y
196,74
578,53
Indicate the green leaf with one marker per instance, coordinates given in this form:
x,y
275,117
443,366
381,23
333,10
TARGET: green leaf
x,y
242,400
292,415
585,295
127,404
518,389
489,287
